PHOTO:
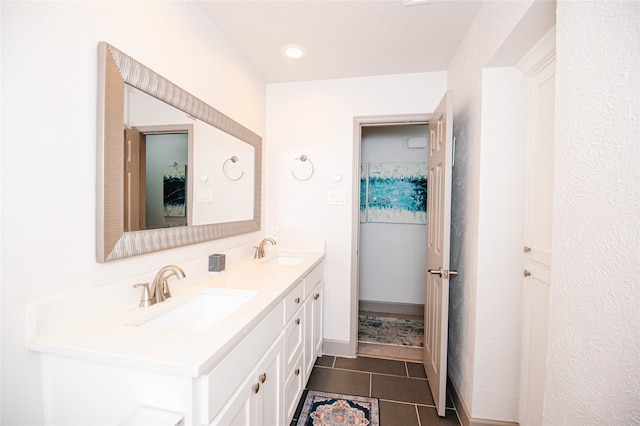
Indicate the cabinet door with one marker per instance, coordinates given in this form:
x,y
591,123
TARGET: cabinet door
x,y
294,335
294,385
239,410
269,374
313,329
318,297
258,401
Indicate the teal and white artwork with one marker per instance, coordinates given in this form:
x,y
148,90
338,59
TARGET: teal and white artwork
x,y
174,182
363,191
396,193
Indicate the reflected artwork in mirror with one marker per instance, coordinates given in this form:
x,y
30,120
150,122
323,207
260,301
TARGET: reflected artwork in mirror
x,y
194,194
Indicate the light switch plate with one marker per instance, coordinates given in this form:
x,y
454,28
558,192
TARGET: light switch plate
x,y
336,198
204,196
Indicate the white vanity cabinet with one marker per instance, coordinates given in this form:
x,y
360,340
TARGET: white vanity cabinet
x,y
303,336
249,370
293,356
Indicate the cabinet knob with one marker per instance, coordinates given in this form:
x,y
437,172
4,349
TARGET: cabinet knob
x,y
297,321
297,372
297,300
256,388
263,377
317,296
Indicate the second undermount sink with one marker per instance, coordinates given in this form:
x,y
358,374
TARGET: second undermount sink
x,y
198,312
285,260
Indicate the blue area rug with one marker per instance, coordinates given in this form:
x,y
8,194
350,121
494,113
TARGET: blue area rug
x,y
332,409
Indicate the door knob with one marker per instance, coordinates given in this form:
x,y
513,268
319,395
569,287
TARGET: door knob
x,y
444,274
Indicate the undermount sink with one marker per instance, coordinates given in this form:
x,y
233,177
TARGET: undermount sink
x,y
199,312
285,260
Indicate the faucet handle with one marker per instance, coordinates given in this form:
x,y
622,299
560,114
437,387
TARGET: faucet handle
x,y
146,299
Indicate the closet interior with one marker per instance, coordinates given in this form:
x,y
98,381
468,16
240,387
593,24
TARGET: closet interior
x,y
392,246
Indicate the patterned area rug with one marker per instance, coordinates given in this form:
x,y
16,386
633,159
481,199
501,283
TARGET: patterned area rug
x,y
332,409
390,331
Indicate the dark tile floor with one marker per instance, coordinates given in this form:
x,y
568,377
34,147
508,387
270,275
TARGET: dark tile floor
x,y
401,387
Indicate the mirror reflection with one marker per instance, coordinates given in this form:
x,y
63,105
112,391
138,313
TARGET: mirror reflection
x,y
172,170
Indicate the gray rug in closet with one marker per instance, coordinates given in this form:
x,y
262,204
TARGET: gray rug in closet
x,y
390,331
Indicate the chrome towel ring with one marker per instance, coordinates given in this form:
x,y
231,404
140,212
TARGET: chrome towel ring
x,y
233,159
303,158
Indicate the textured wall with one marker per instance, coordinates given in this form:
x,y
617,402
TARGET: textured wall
x,y
593,363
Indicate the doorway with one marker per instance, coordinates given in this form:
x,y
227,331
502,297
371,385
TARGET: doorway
x,y
157,179
391,247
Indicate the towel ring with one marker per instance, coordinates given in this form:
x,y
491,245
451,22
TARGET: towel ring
x,y
233,159
304,158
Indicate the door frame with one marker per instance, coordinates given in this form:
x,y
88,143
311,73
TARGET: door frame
x,y
358,123
187,128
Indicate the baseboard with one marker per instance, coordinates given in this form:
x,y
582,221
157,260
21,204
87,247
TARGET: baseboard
x,y
402,353
337,348
465,415
391,307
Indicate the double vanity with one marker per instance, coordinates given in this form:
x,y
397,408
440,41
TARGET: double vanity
x,y
233,347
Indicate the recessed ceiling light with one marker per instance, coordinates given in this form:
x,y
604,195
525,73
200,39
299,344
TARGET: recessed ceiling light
x,y
293,51
414,2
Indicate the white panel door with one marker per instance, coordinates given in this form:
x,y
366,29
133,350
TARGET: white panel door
x,y
538,243
436,306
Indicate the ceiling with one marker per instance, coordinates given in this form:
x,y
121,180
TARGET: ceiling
x,y
342,38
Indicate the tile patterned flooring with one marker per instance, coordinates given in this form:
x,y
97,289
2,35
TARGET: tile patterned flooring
x,y
401,387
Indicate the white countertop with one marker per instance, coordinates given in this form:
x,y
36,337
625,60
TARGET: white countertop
x,y
108,337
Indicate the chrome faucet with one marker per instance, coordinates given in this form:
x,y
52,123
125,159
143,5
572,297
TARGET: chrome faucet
x,y
160,286
260,249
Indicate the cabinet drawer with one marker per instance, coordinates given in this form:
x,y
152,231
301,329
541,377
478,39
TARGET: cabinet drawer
x,y
293,340
293,301
313,278
223,380
293,388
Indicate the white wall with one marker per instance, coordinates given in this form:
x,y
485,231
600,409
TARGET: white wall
x,y
501,231
49,77
392,255
593,358
476,295
317,119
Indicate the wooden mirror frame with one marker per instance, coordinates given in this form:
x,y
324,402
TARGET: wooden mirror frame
x,y
114,70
